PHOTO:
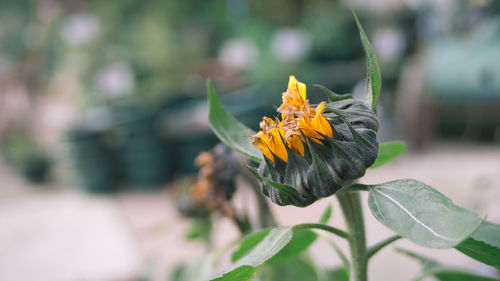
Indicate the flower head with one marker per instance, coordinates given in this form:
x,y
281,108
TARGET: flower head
x,y
312,151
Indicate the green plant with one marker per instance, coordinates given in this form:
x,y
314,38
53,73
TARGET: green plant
x,y
302,162
27,157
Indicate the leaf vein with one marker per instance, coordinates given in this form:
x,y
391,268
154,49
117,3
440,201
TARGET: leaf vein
x,y
415,218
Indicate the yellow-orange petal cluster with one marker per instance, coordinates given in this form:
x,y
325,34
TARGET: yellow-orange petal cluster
x,y
297,119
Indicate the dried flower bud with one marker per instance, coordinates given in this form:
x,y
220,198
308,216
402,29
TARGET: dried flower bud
x,y
216,179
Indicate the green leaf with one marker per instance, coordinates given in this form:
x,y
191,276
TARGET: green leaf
x,y
198,269
246,267
301,240
327,214
387,152
199,229
444,273
298,268
248,243
483,245
456,274
337,274
373,79
268,246
229,130
243,273
333,97
427,264
421,214
178,273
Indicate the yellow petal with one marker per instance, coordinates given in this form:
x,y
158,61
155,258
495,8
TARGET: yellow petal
x,y
261,141
277,146
295,144
301,87
320,107
269,120
305,124
321,125
319,122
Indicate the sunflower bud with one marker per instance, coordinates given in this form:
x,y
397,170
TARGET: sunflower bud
x,y
314,151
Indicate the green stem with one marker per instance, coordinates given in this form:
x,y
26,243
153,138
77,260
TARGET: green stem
x,y
266,218
377,247
339,252
243,224
350,203
334,230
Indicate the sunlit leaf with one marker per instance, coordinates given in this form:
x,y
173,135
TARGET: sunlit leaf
x,y
229,130
373,79
248,243
387,152
301,240
267,247
421,214
246,267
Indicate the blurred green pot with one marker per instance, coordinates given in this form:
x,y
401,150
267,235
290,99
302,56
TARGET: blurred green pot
x,y
93,159
143,153
186,127
37,169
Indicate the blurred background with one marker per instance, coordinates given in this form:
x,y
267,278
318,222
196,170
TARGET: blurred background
x,y
103,111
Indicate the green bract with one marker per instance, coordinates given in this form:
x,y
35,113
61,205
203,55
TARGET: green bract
x,y
327,167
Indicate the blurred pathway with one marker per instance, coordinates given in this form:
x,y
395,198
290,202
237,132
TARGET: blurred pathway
x,y
67,235
61,235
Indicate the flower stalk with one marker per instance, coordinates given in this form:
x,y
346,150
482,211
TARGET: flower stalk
x,y
331,229
350,204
